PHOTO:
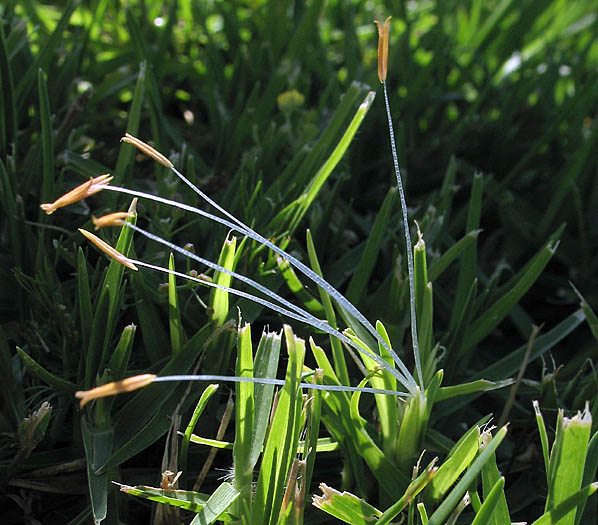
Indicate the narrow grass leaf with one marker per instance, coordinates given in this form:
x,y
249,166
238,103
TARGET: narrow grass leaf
x,y
311,304
222,498
244,411
457,461
589,474
363,272
437,268
482,326
338,356
219,297
84,297
126,155
208,392
493,490
489,512
119,360
47,159
591,317
556,515
468,266
184,499
564,475
510,364
98,446
454,497
8,125
174,313
44,375
345,506
283,437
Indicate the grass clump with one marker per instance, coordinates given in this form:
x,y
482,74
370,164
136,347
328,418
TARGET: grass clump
x,y
495,132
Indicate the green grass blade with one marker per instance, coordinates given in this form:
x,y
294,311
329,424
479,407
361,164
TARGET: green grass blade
x,y
174,314
564,475
208,392
556,515
8,125
589,473
121,355
244,411
184,499
220,298
468,266
510,364
47,377
591,317
98,446
345,506
457,461
482,326
364,270
155,340
283,438
222,498
265,366
47,160
455,496
443,262
126,155
84,297
488,511
493,489
311,304
338,357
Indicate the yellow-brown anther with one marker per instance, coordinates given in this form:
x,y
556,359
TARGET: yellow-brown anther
x,y
109,250
147,149
383,48
112,219
93,185
113,388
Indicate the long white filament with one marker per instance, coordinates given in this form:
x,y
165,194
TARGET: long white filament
x,y
416,356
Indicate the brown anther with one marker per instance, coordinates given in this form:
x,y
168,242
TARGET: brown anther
x,y
113,388
147,149
112,219
383,48
93,185
109,250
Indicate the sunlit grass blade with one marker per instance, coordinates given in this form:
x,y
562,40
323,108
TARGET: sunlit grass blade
x,y
454,497
457,461
415,487
490,511
311,304
174,313
208,392
184,499
222,498
219,297
564,475
345,506
281,445
340,365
